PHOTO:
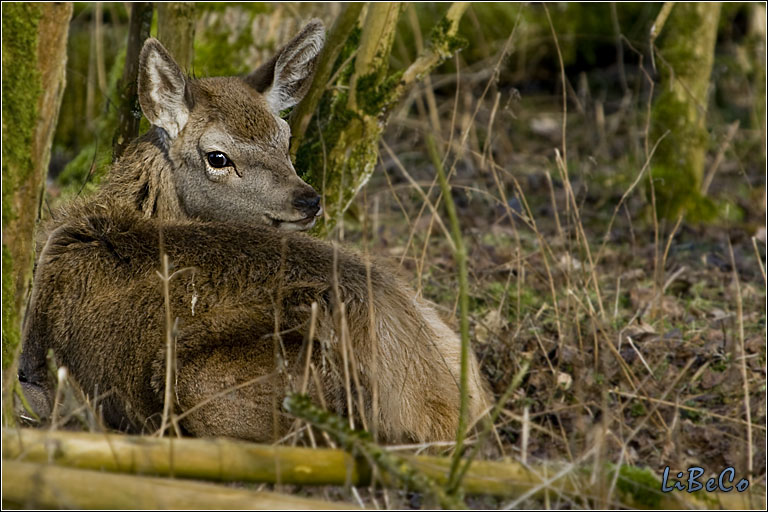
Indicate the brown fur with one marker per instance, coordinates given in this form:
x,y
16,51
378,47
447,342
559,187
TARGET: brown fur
x,y
97,300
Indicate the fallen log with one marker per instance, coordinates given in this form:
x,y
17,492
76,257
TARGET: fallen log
x,y
228,460
32,485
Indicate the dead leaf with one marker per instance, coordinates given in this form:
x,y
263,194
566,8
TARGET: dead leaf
x,y
564,381
492,323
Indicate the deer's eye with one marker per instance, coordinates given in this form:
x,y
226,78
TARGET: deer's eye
x,y
217,160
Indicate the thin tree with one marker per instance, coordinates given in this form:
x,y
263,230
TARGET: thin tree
x,y
128,96
684,60
338,126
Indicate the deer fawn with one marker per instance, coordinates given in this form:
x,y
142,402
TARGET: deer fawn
x,y
212,186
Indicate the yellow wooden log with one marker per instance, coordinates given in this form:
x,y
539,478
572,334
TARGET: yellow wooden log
x,y
47,486
229,460
209,459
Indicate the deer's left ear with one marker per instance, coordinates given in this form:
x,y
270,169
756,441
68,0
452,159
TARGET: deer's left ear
x,y
286,77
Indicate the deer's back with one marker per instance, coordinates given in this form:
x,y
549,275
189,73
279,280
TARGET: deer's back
x,y
99,301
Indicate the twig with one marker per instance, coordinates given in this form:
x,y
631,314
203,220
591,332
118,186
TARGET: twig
x,y
170,349
657,26
436,51
562,79
697,410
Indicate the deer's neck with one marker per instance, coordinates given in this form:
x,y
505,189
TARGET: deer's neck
x,y
142,180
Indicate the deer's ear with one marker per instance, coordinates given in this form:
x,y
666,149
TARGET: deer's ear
x,y
162,88
285,78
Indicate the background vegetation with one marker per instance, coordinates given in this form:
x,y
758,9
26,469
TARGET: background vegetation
x,y
611,197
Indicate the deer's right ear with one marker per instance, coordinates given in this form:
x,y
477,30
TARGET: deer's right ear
x,y
162,88
285,78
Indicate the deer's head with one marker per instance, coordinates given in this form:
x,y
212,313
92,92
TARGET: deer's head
x,y
227,144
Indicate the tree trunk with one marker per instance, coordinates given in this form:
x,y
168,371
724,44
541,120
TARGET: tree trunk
x,y
684,60
176,30
34,63
756,51
128,101
340,147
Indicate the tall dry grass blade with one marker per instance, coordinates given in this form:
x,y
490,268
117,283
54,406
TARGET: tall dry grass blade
x,y
460,254
396,467
697,410
743,365
562,81
424,196
61,381
561,164
624,196
170,347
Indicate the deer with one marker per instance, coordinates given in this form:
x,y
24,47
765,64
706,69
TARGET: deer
x,y
255,301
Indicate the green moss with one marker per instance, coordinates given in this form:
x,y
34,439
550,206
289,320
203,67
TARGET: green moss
x,y
11,335
374,96
350,47
639,484
21,88
331,121
637,410
677,189
443,42
219,52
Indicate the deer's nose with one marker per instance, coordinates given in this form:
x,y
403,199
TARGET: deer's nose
x,y
307,203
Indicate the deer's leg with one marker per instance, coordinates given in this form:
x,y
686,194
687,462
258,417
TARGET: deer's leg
x,y
418,371
237,389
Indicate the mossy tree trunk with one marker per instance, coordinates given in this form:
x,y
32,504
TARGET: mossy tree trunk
x,y
339,146
684,60
176,30
34,63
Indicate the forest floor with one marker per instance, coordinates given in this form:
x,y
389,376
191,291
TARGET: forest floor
x,y
646,338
